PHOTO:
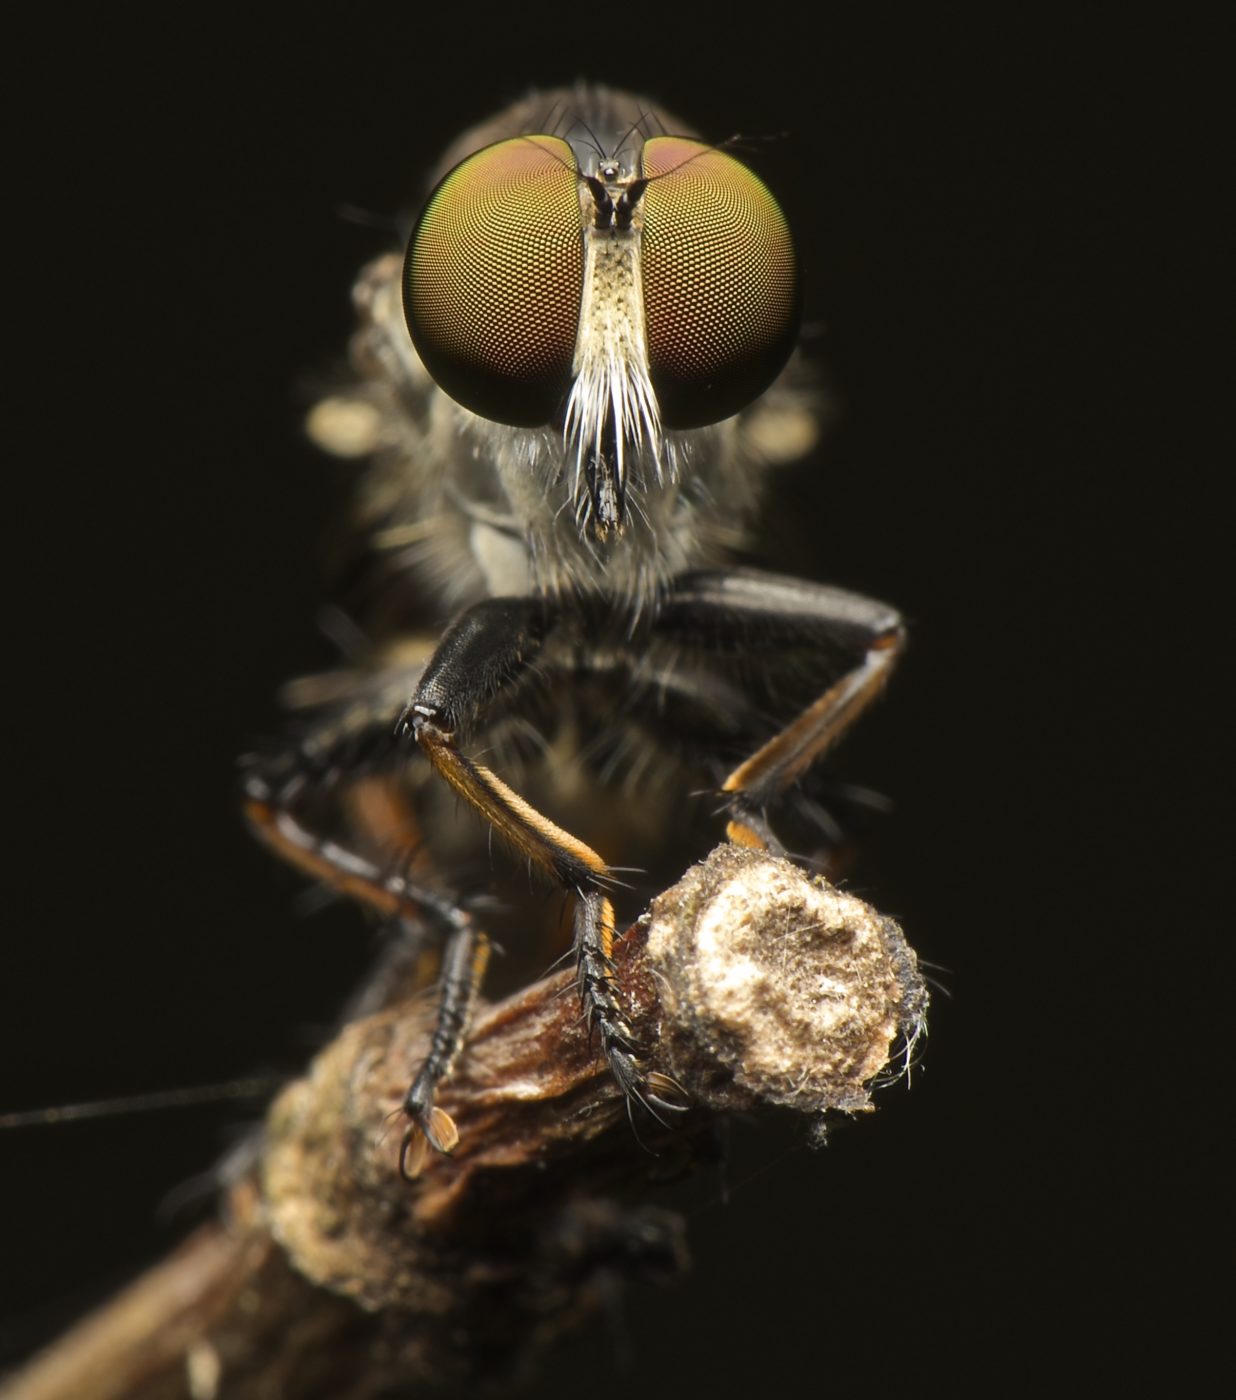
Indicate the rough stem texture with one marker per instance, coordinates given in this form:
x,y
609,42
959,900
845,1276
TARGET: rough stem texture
x,y
329,1276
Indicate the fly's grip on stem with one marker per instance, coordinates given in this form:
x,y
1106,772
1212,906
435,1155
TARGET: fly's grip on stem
x,y
653,1090
758,985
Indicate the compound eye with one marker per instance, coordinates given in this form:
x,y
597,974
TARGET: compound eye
x,y
493,280
720,278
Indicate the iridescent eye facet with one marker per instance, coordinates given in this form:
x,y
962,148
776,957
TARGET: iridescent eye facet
x,y
720,282
494,277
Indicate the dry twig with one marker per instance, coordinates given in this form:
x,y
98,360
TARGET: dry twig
x,y
328,1276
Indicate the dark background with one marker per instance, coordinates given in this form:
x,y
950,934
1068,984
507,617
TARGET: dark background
x,y
1003,267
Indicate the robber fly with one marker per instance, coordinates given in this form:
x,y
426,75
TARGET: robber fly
x,y
569,390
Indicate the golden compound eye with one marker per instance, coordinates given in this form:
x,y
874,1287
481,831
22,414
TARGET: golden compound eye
x,y
720,282
494,277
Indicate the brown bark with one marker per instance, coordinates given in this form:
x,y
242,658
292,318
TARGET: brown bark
x,y
328,1275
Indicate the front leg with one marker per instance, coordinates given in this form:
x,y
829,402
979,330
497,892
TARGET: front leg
x,y
748,612
483,653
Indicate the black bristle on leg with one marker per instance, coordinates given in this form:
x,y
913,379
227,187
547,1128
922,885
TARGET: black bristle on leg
x,y
653,1091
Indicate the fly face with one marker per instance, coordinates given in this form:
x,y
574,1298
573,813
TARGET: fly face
x,y
567,366
614,295
570,389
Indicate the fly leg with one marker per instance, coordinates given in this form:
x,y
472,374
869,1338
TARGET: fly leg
x,y
750,614
393,884
381,883
486,650
463,966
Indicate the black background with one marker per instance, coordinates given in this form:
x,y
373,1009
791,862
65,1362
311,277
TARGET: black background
x,y
1003,263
